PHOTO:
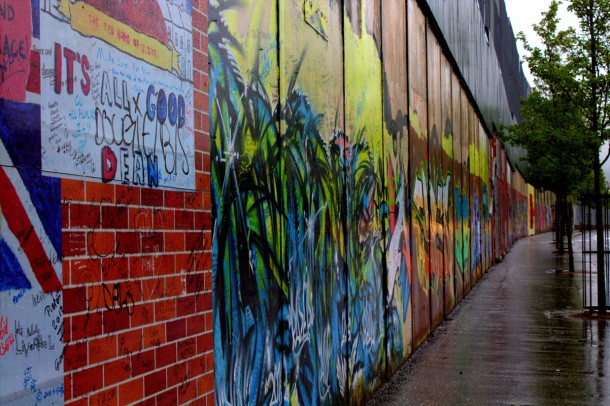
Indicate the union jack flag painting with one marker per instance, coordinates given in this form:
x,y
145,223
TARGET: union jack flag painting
x,y
30,211
31,310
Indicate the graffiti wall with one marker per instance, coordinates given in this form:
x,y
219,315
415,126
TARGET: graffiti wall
x,y
544,211
354,190
105,223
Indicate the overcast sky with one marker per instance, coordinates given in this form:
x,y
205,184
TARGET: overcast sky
x,y
525,13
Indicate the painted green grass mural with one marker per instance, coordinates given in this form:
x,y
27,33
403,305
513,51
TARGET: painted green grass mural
x,y
287,203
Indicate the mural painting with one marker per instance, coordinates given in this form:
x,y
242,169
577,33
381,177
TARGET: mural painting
x,y
250,290
475,197
496,172
117,99
437,181
531,210
31,314
447,121
418,169
351,198
486,199
463,257
458,215
510,208
318,163
518,213
396,146
365,196
544,213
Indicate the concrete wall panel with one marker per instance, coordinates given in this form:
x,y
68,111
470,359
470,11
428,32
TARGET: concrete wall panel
x,y
437,180
418,164
311,119
250,250
365,179
458,187
447,121
396,147
466,191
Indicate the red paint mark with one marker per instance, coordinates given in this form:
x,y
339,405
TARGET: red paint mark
x,y
6,339
33,84
144,16
109,164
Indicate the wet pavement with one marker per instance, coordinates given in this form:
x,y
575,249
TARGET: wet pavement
x,y
516,339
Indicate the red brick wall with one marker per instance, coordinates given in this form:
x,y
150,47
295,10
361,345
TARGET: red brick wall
x,y
137,279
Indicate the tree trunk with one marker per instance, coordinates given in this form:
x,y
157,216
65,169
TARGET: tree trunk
x,y
557,223
561,225
597,168
570,229
599,227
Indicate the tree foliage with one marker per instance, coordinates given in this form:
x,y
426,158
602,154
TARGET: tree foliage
x,y
555,147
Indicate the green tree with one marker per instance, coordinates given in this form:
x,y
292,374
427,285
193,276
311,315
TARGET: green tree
x,y
571,75
550,134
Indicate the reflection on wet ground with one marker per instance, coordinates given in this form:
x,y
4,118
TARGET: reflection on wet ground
x,y
517,339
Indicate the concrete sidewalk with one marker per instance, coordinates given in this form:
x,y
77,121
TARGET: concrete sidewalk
x,y
516,339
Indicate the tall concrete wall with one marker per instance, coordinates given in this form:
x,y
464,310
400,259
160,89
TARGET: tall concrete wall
x,y
357,193
105,233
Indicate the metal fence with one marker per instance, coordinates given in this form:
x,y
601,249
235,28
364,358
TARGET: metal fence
x,y
584,220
